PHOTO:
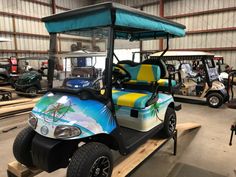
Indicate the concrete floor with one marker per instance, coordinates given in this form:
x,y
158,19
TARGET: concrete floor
x,y
206,149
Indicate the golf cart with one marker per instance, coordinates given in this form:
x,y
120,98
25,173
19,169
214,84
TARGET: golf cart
x,y
32,77
83,69
78,127
220,64
8,70
199,76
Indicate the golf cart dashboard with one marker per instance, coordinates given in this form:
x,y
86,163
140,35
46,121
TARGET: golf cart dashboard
x,y
83,93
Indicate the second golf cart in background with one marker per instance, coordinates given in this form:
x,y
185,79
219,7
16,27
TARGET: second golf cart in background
x,y
32,77
82,69
199,76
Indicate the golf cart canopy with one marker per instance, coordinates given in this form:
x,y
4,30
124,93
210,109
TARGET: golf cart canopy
x,y
129,23
218,57
82,53
34,58
182,54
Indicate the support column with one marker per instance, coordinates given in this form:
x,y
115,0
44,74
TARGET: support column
x,y
53,4
141,42
52,58
161,14
14,31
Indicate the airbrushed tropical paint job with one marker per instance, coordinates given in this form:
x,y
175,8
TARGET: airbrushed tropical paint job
x,y
56,109
148,117
91,116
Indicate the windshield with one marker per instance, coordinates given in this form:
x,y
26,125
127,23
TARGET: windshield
x,y
84,63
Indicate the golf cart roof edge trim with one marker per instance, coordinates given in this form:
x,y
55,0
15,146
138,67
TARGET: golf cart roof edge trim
x,y
182,53
106,5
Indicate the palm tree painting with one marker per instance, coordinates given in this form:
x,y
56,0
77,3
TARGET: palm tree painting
x,y
58,110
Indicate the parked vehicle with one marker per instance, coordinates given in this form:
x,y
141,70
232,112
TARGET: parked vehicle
x,y
199,76
8,70
32,76
83,69
78,128
220,64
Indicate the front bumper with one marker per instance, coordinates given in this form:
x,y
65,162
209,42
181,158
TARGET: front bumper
x,y
50,154
22,88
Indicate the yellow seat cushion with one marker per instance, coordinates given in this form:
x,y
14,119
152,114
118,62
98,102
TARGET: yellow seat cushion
x,y
165,82
130,99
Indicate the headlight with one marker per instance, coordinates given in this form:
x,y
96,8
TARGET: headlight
x,y
66,131
69,85
33,120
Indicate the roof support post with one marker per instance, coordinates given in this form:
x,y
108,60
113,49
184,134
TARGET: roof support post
x,y
109,63
140,41
161,14
52,58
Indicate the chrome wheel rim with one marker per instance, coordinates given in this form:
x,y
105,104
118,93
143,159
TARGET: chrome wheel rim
x,y
33,91
214,100
172,123
100,168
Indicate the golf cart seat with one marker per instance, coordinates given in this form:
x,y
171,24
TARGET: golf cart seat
x,y
131,98
163,83
136,97
142,74
186,68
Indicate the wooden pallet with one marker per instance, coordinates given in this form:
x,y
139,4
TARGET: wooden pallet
x,y
123,166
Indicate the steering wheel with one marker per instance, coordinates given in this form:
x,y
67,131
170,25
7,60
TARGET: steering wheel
x,y
120,75
170,68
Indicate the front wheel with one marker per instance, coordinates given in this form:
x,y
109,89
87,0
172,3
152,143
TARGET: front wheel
x,y
169,122
32,91
22,146
91,160
214,100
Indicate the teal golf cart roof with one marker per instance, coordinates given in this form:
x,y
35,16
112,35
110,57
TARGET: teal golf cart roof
x,y
129,23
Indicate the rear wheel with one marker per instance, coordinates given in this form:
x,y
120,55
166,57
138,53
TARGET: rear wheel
x,y
3,79
215,100
32,91
91,160
169,122
22,146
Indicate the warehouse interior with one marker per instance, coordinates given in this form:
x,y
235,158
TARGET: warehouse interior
x,y
91,72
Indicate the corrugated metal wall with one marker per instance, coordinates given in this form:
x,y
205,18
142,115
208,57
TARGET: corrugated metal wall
x,y
211,24
20,22
154,44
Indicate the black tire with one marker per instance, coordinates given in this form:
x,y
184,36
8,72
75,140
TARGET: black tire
x,y
22,146
32,91
215,100
92,159
169,123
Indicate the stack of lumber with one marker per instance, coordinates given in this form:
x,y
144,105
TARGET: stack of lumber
x,y
16,106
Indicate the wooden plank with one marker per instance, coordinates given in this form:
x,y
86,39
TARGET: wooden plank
x,y
127,163
123,166
7,89
187,126
20,170
19,102
5,103
16,109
